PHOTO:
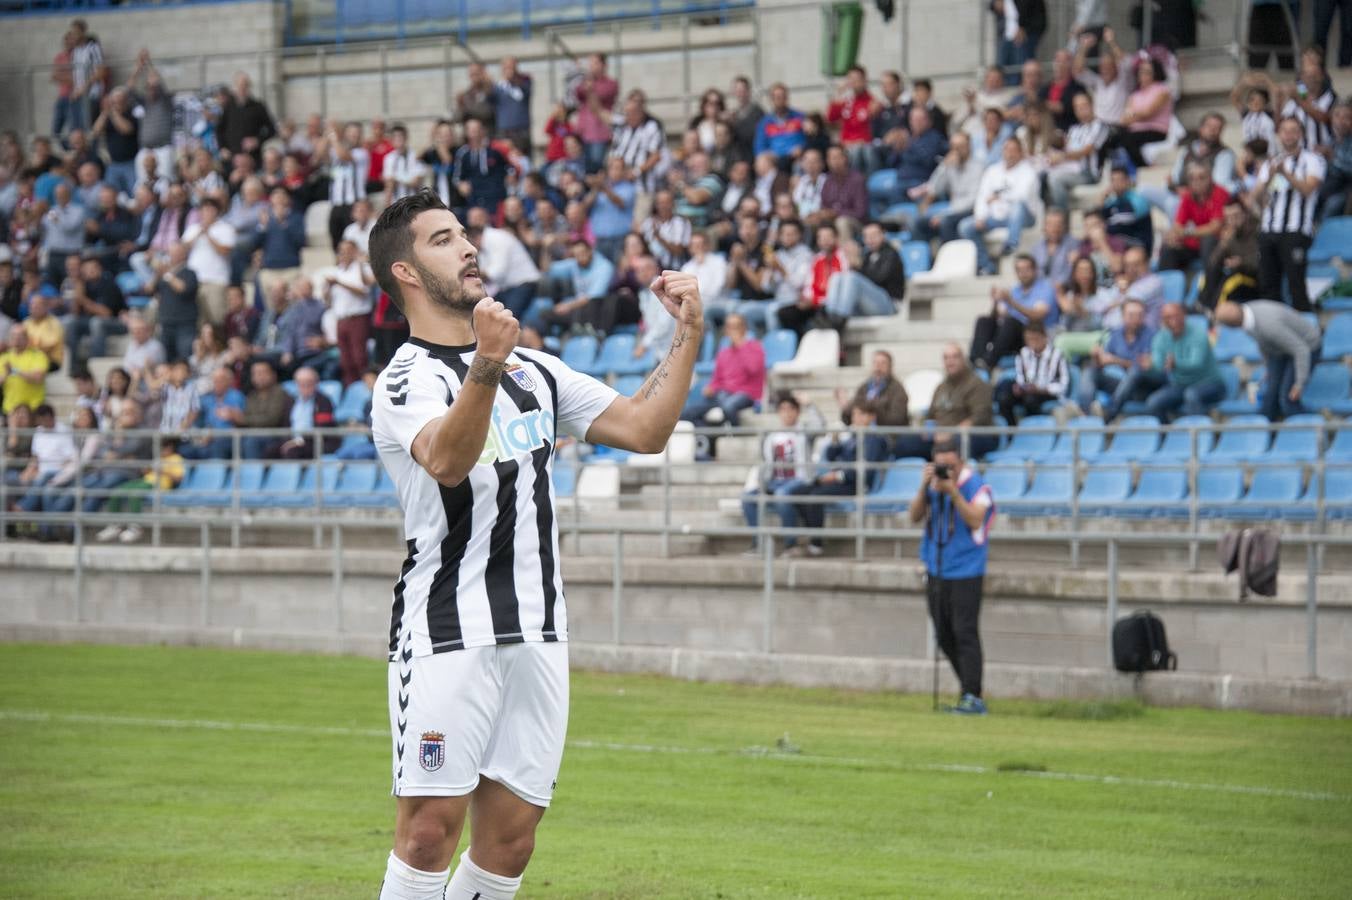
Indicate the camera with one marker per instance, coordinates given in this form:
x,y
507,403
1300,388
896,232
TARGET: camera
x,y
942,472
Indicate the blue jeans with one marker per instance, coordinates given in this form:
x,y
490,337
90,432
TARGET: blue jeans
x,y
1009,55
851,294
756,313
216,448
594,155
97,482
98,329
1017,221
1163,199
731,404
31,502
517,299
1193,400
787,512
1118,384
1281,376
121,175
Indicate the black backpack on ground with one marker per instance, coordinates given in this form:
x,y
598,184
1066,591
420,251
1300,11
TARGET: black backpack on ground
x,y
1140,645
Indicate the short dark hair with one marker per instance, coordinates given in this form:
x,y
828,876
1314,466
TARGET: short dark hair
x,y
857,68
1025,257
399,129
865,406
922,82
1035,328
1262,92
212,202
946,444
392,238
786,397
44,410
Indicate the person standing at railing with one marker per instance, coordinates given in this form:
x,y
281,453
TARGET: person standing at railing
x,y
958,510
595,98
511,101
245,121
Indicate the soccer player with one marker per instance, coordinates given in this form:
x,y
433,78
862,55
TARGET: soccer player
x,y
465,423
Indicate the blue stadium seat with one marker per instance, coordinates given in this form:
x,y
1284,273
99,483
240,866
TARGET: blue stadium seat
x,y
128,282
1178,441
1091,440
1338,338
1006,482
779,346
915,256
705,364
1235,343
201,483
1240,445
383,494
1218,487
1333,239
899,212
352,406
1157,492
1236,402
1335,304
697,385
895,489
1272,490
1174,284
333,390
357,479
304,494
282,480
628,385
579,352
1328,389
290,388
1048,495
1104,490
882,187
1337,496
1298,439
1129,444
1027,444
1340,448
616,357
565,478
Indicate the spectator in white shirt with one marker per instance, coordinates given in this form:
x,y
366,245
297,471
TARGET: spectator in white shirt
x,y
144,352
211,240
1007,198
710,269
1112,84
510,275
359,230
403,171
347,289
658,326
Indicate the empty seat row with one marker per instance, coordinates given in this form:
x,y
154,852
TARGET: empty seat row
x,y
216,483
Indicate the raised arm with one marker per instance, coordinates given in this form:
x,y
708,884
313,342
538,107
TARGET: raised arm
x,y
643,422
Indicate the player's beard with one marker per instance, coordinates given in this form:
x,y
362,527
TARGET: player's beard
x,y
454,295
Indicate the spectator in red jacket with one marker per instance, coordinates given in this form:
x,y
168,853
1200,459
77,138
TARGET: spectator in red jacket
x,y
799,315
853,110
1197,224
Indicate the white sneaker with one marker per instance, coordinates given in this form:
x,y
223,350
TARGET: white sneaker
x,y
814,550
107,534
131,534
715,416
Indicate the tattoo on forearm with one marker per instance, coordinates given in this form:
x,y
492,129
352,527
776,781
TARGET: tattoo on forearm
x,y
486,371
663,372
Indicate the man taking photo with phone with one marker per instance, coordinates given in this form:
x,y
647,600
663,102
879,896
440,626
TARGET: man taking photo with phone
x,y
957,508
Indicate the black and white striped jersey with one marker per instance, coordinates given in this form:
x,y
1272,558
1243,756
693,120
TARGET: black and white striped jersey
x,y
1316,133
483,556
1093,133
635,143
1287,212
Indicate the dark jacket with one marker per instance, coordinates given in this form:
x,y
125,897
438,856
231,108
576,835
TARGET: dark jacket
x,y
847,453
240,120
892,403
884,268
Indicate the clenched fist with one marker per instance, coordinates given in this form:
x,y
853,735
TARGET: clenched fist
x,y
679,293
495,328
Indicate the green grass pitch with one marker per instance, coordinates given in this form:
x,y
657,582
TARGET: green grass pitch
x,y
156,772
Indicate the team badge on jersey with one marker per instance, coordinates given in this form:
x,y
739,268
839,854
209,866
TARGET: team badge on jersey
x,y
521,377
432,750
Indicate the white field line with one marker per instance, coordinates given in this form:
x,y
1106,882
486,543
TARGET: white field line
x,y
20,715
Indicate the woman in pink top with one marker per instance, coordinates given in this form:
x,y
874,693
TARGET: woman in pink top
x,y
1149,109
738,380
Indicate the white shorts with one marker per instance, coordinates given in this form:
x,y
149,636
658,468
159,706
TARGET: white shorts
x,y
496,712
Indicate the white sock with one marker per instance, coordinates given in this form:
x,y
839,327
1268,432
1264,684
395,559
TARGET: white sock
x,y
472,883
403,882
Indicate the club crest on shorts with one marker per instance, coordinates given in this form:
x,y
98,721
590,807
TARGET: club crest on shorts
x,y
432,750
521,377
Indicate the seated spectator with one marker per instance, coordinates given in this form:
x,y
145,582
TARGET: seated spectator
x,y
610,203
962,400
1054,252
667,234
697,190
577,286
480,171
658,327
169,228
174,285
401,171
1335,194
922,97
281,236
1104,249
1136,282
247,213
1183,376
1232,268
114,396
640,141
18,441
1252,99
1289,344
1040,376
310,410
785,467
839,476
220,409
916,151
992,94
1031,299
347,290
177,398
96,308
86,394
882,389
1030,89
123,456
738,380
1079,162
211,240
1197,224
800,314
710,270
241,318
1006,198
359,229
807,187
52,450
1060,93
266,406
128,498
780,132
300,330
63,232
1149,109
44,331
1126,213
956,180
1080,325
770,181
144,351
844,197
1111,84
790,271
108,228
750,277
88,443
1204,150
209,353
989,137
873,279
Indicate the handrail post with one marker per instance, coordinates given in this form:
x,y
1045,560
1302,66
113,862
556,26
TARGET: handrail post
x,y
1312,609
1074,497
685,66
1112,597
384,80
236,454
338,577
79,566
204,579
666,505
861,470
1194,502
320,61
767,592
317,445
762,504
617,587
156,472
4,486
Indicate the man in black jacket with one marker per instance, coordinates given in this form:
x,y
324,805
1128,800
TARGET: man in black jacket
x,y
245,122
1019,25
107,228
876,279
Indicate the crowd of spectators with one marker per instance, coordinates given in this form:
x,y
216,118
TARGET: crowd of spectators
x,y
187,233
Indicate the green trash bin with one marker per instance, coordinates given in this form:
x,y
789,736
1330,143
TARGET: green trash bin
x,y
841,24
